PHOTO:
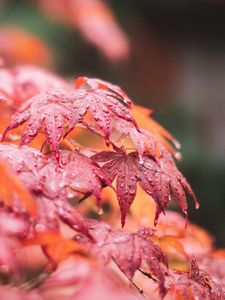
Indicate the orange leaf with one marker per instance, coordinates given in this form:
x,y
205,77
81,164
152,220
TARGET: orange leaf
x,y
180,297
143,208
175,253
20,47
141,115
195,240
56,246
11,185
219,253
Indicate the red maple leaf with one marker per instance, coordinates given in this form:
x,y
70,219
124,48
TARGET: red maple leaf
x,y
142,116
106,103
95,21
110,89
51,185
53,108
159,178
214,264
42,174
76,174
25,162
130,251
12,229
86,280
49,109
49,212
196,284
23,82
142,139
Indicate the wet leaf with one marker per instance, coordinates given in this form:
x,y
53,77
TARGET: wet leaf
x,y
158,178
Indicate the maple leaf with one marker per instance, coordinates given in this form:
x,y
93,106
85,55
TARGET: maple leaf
x,y
25,162
194,285
195,240
105,103
142,116
175,253
214,265
142,140
96,22
110,89
12,188
47,218
51,185
20,83
18,46
53,108
143,208
150,135
73,279
55,246
76,174
48,108
42,174
158,178
30,81
130,251
49,213
13,228
72,218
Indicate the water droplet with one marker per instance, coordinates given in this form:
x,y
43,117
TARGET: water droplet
x,y
178,156
40,228
140,159
121,185
100,211
197,205
105,110
177,144
78,237
132,191
70,195
121,239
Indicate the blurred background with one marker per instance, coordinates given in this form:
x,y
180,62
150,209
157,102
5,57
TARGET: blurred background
x,y
167,55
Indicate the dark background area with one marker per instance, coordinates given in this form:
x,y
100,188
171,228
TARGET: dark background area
x,y
176,66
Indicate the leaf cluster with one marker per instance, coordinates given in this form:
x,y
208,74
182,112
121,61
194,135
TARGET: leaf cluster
x,y
49,180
